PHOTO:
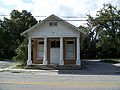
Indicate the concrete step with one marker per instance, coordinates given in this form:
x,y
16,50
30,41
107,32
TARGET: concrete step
x,y
54,67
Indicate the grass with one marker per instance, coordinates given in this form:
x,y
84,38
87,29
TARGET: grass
x,y
110,61
1,59
20,66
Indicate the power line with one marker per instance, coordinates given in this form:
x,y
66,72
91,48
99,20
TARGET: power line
x,y
59,16
68,20
40,16
71,18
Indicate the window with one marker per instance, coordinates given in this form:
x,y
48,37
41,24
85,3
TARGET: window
x,y
55,44
40,50
53,24
70,50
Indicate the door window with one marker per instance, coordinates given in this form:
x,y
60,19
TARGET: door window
x,y
70,49
55,44
40,49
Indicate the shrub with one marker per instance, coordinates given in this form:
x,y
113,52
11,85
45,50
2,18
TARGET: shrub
x,y
22,53
6,54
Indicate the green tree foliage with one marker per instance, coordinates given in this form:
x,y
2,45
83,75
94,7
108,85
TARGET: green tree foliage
x,y
109,21
22,52
10,29
103,40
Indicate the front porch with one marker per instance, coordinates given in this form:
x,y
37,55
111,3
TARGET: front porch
x,y
53,67
54,51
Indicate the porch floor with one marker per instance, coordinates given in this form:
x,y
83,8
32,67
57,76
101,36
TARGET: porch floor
x,y
54,67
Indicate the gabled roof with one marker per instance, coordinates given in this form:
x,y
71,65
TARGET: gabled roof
x,y
48,19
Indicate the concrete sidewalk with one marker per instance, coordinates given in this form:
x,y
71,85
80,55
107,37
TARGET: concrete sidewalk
x,y
9,66
30,71
89,68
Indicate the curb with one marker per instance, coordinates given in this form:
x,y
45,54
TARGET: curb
x,y
28,71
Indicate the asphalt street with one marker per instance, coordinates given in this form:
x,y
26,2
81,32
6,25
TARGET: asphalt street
x,y
38,81
94,76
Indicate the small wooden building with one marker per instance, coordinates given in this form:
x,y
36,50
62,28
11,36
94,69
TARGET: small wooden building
x,y
53,41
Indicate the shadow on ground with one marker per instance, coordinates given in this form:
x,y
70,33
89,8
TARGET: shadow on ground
x,y
88,68
93,68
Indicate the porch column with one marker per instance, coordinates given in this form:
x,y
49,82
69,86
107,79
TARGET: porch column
x,y
29,61
45,52
78,62
61,62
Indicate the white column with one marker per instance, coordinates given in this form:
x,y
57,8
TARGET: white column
x,y
78,62
45,52
29,61
61,62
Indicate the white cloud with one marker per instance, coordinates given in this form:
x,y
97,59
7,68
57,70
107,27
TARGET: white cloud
x,y
4,11
11,2
77,8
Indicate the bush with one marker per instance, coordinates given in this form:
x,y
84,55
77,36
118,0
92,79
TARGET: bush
x,y
110,61
22,53
6,54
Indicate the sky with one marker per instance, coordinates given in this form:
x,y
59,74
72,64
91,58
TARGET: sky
x,y
61,8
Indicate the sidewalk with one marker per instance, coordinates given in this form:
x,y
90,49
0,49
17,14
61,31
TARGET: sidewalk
x,y
29,71
9,66
117,65
90,68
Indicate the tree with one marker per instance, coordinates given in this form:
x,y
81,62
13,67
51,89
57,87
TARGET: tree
x,y
10,29
22,21
22,52
108,19
104,33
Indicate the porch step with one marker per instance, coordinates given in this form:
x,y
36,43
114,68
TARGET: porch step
x,y
54,67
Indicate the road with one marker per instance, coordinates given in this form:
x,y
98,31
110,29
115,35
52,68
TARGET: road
x,y
93,76
39,81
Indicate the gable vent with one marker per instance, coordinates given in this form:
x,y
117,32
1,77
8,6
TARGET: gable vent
x,y
53,24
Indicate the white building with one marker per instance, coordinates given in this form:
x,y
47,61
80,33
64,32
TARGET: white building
x,y
54,41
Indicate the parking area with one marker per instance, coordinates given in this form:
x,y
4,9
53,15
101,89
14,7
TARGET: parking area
x,y
94,67
89,67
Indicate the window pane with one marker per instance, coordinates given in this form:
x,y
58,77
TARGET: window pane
x,y
70,47
55,23
51,24
52,44
70,42
55,44
40,54
40,49
41,42
69,54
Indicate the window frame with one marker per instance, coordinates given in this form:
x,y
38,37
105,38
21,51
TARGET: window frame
x,y
39,51
53,24
74,51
